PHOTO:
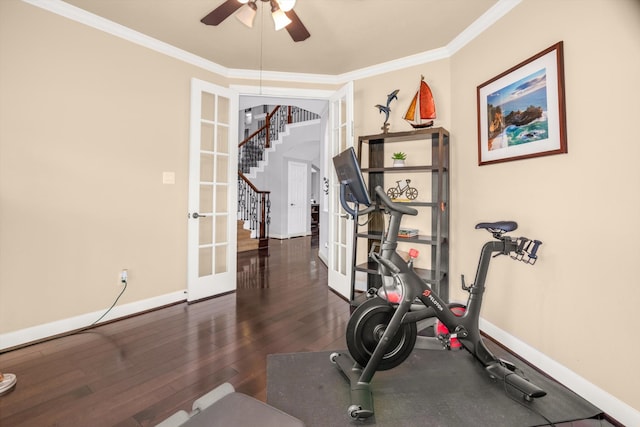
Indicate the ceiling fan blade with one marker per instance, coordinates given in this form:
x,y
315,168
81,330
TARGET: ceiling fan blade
x,y
296,28
222,12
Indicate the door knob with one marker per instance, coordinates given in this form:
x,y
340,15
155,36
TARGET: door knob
x,y
196,215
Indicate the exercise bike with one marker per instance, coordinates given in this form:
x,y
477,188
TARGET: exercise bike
x,y
382,332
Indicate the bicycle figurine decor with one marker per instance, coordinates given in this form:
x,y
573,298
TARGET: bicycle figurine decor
x,y
403,187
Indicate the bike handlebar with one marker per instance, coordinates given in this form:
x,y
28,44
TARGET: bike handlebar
x,y
387,263
522,248
393,206
355,210
526,250
536,245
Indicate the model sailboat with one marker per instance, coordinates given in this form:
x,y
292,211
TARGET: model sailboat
x,y
422,110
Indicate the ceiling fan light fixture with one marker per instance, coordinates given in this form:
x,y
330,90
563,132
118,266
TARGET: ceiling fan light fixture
x,y
285,5
279,18
247,14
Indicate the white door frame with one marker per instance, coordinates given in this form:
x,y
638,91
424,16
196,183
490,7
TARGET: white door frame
x,y
338,280
340,237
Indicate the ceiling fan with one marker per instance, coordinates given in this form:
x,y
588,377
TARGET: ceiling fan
x,y
281,11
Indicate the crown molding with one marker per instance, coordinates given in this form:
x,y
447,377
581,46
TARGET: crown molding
x,y
485,21
59,7
397,64
282,92
79,15
282,76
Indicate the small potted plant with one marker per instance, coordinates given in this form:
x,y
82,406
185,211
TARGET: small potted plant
x,y
399,158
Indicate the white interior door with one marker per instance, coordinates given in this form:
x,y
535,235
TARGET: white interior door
x,y
297,199
340,237
212,240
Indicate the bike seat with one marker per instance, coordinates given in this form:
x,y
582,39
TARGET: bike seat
x,y
504,226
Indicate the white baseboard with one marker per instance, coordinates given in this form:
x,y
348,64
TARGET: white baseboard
x,y
323,258
277,236
609,404
288,236
36,333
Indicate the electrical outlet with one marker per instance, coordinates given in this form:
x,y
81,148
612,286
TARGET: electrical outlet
x,y
124,276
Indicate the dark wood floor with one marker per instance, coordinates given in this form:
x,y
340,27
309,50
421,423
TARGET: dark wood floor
x,y
138,371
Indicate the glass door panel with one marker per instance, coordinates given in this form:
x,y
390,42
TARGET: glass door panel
x,y
212,186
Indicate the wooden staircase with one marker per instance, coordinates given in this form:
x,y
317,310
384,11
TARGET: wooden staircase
x,y
254,206
245,242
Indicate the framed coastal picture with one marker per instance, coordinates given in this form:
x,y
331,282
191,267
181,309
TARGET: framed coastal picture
x,y
521,112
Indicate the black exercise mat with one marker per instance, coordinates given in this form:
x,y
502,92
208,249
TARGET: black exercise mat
x,y
431,388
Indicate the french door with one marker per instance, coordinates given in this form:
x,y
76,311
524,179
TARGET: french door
x,y
340,238
212,240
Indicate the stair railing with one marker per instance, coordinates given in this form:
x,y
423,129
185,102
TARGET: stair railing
x,y
251,149
254,206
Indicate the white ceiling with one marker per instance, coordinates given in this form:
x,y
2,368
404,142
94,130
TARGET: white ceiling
x,y
346,35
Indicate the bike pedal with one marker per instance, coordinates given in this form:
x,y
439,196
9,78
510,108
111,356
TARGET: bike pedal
x,y
509,365
445,341
460,332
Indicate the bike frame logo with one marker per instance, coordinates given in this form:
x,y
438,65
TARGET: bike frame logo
x,y
427,293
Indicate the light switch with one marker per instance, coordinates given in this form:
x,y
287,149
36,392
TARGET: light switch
x,y
168,177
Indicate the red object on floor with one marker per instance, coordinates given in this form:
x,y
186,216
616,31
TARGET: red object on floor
x,y
393,297
441,329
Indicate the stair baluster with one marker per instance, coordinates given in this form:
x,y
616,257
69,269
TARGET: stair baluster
x,y
254,205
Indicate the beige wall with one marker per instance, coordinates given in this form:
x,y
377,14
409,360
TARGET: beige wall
x,y
583,205
89,122
373,90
